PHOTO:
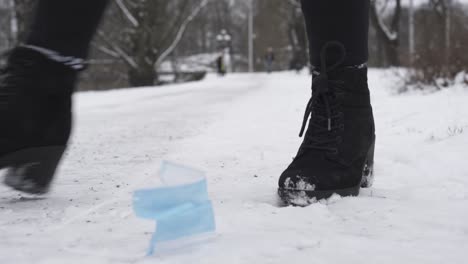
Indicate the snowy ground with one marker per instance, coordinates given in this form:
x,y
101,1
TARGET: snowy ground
x,y
242,130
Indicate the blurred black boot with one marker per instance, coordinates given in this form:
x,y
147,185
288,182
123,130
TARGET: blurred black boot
x,y
35,114
336,156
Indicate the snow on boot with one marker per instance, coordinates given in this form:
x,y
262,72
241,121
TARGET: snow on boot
x,y
336,156
35,113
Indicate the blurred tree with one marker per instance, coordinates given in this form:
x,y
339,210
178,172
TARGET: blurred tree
x,y
23,13
280,25
138,35
440,51
388,34
142,31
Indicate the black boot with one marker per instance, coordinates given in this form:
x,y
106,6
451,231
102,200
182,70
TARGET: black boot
x,y
336,156
35,113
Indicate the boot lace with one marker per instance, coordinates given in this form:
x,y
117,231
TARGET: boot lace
x,y
322,106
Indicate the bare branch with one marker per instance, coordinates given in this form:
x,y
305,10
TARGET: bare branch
x,y
180,33
396,17
390,33
295,3
128,59
127,13
106,50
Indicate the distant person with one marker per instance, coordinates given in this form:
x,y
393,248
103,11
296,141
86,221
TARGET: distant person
x,y
336,156
269,59
221,65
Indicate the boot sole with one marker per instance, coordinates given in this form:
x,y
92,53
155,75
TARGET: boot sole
x,y
303,197
32,170
367,179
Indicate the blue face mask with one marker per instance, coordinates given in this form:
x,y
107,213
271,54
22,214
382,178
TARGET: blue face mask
x,y
181,207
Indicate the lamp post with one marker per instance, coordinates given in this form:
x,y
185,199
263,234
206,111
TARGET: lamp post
x,y
224,40
224,43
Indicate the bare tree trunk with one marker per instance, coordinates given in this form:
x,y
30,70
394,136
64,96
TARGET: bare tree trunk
x,y
251,36
12,24
23,12
388,35
411,32
142,77
448,15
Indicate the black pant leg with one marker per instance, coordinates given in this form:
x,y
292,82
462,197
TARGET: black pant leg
x,y
346,21
66,26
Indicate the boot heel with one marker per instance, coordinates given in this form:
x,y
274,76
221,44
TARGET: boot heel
x,y
368,170
32,170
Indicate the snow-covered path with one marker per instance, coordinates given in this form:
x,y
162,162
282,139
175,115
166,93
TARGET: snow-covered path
x,y
242,130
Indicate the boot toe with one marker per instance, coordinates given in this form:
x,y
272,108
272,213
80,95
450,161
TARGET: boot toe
x,y
328,178
297,180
